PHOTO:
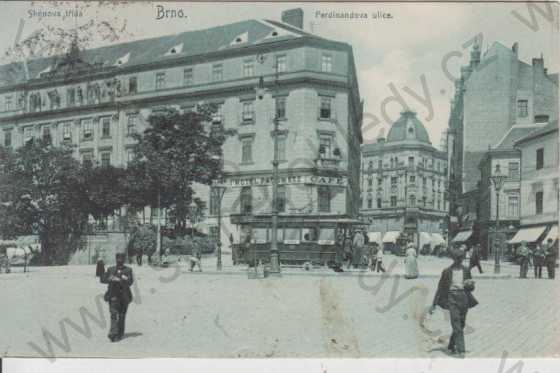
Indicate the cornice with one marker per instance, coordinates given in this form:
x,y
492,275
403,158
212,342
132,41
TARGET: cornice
x,y
270,47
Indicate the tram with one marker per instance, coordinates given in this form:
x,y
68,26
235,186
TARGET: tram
x,y
317,240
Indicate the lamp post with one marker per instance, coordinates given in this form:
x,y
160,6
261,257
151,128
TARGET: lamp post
x,y
274,257
498,180
193,207
218,192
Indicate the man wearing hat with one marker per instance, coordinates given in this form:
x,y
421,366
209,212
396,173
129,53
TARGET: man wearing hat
x,y
454,293
119,279
550,258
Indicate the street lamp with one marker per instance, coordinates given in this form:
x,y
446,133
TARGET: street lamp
x,y
218,194
274,257
498,180
193,207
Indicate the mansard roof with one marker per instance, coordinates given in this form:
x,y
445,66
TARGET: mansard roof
x,y
190,43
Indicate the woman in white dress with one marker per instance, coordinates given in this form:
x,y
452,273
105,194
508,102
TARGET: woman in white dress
x,y
410,262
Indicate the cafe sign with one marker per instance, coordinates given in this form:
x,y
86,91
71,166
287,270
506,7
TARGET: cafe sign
x,y
285,180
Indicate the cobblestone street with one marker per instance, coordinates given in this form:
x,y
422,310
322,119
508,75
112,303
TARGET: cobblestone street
x,y
303,314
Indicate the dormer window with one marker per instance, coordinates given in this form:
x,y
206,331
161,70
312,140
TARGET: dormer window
x,y
242,38
175,50
124,59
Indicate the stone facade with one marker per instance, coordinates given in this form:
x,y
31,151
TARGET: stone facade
x,y
493,94
309,80
539,178
404,181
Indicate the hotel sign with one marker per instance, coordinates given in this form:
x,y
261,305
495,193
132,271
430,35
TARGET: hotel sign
x,y
285,180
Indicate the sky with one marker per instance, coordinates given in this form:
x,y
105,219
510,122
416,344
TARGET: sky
x,y
414,55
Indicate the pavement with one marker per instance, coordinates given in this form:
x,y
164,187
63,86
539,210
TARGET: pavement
x,y
59,311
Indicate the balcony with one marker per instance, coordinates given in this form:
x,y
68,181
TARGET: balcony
x,y
328,163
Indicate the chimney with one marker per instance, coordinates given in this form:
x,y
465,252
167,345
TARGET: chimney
x,y
538,63
515,48
475,56
293,17
381,135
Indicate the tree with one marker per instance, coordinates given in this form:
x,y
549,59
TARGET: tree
x,y
177,150
44,189
105,189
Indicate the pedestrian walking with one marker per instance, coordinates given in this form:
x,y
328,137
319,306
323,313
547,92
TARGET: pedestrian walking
x,y
99,268
119,279
411,262
550,258
373,257
454,293
524,255
347,245
539,257
196,258
357,248
339,254
139,256
475,258
380,257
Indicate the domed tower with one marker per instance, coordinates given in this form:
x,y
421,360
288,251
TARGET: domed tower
x,y
403,186
408,128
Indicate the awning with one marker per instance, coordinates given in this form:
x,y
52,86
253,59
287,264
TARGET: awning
x,y
437,239
391,237
374,237
462,236
552,234
527,234
425,239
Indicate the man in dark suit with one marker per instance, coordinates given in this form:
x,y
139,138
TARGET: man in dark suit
x,y
119,279
454,293
550,258
475,258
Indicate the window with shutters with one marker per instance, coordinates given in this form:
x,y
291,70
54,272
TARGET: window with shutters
x,y
246,200
106,127
513,170
281,107
248,69
131,124
70,97
46,133
248,113
133,85
513,206
282,147
160,80
7,138
188,77
540,158
324,198
247,150
281,63
325,109
217,73
539,202
105,159
67,131
326,63
522,108
87,129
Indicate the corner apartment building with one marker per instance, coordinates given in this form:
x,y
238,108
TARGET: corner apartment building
x,y
96,99
540,195
508,159
403,183
495,92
